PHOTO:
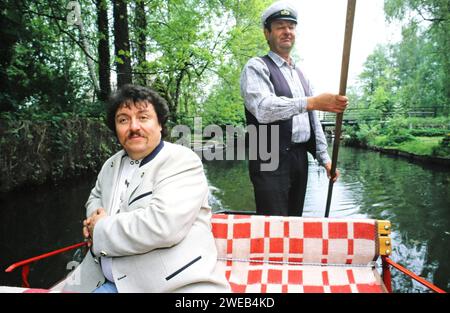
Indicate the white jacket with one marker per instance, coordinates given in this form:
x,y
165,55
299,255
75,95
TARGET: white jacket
x,y
161,241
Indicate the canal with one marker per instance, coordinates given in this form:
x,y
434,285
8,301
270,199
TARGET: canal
x,y
414,197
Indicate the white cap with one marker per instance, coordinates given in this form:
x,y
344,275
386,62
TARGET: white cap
x,y
280,10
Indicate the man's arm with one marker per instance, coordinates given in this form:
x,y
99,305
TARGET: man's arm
x,y
327,102
261,100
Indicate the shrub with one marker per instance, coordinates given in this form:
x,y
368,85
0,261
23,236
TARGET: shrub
x,y
443,150
428,132
51,147
397,131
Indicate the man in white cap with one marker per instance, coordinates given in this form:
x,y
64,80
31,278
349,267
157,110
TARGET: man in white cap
x,y
280,99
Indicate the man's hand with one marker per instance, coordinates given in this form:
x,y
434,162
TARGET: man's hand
x,y
327,102
89,224
328,169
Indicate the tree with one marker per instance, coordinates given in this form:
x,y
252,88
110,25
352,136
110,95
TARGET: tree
x,y
122,43
104,69
42,59
11,30
428,23
140,42
244,40
191,51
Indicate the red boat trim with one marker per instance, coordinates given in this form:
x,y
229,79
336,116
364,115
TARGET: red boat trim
x,y
387,279
43,256
410,274
25,264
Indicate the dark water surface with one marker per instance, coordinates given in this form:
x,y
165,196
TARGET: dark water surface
x,y
415,198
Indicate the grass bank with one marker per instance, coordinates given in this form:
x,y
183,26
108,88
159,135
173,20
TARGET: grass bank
x,y
433,150
424,146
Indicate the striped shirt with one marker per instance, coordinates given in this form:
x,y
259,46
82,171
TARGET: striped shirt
x,y
260,99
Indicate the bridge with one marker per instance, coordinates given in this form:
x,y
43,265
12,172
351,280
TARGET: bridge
x,y
327,123
353,116
328,120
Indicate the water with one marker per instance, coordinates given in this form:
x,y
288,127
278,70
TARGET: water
x,y
415,198
38,221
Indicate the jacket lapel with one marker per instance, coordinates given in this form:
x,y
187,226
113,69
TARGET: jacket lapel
x,y
114,176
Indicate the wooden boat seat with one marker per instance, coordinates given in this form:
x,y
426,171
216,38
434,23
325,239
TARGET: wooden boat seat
x,y
294,254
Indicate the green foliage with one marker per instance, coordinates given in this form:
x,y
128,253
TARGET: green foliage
x,y
396,131
410,77
443,149
404,86
42,69
362,134
428,132
51,147
419,145
194,48
224,105
441,123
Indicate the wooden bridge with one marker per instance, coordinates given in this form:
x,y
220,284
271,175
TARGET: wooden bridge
x,y
353,116
328,120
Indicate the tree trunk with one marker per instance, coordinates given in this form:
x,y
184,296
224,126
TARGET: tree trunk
x,y
10,32
89,61
104,69
122,43
141,47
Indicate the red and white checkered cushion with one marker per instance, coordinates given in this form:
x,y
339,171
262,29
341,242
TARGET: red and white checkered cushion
x,y
294,254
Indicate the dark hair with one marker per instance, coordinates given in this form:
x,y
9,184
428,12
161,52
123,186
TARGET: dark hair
x,y
134,94
268,26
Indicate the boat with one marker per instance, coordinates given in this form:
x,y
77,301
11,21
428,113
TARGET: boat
x,y
287,254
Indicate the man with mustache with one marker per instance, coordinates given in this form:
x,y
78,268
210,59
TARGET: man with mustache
x,y
280,102
147,218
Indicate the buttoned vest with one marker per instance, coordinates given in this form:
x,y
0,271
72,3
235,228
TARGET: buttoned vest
x,y
282,89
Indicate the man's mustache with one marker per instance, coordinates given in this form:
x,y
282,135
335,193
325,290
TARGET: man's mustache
x,y
132,134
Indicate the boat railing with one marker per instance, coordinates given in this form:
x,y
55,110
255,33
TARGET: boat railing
x,y
25,264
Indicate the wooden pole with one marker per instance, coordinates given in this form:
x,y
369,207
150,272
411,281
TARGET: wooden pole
x,y
342,91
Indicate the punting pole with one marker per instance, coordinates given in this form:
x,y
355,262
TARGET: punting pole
x,y
342,91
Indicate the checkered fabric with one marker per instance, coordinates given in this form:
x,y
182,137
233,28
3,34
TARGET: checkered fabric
x,y
295,254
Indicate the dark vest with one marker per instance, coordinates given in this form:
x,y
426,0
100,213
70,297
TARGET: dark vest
x,y
282,89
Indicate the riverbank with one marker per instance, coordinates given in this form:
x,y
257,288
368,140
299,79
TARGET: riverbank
x,y
51,149
420,149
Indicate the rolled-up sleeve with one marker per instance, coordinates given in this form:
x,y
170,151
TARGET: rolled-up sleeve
x,y
321,143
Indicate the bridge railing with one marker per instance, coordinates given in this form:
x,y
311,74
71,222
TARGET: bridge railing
x,y
359,114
